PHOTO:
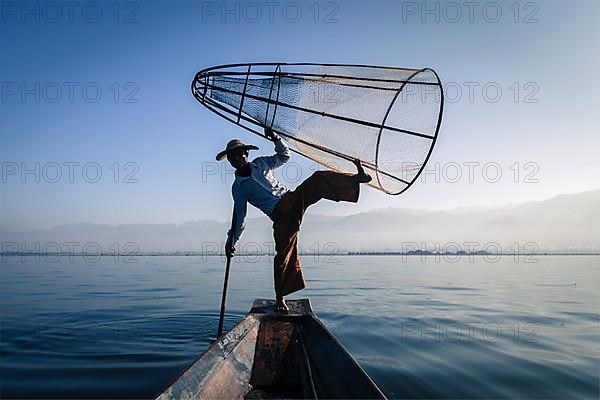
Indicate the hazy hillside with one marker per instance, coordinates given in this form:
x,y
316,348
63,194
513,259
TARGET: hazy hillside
x,y
564,223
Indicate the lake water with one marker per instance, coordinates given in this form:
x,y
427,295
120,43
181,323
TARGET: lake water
x,y
421,328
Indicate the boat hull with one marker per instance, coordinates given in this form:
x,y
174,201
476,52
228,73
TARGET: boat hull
x,y
274,355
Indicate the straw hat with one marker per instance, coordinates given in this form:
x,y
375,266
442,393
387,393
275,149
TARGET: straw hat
x,y
234,145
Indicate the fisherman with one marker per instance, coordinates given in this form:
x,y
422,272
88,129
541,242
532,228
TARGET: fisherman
x,y
255,184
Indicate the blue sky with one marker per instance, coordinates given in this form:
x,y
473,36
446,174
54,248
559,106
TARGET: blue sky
x,y
541,133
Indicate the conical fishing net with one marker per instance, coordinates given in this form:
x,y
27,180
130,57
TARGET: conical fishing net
x,y
387,117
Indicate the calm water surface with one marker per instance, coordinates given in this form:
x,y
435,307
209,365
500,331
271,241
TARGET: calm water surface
x,y
420,328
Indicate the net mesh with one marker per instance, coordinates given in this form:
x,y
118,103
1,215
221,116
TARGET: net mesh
x,y
387,117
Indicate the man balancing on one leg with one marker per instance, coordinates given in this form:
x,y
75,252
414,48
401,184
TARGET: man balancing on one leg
x,y
255,184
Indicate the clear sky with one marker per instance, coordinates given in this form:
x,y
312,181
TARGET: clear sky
x,y
106,85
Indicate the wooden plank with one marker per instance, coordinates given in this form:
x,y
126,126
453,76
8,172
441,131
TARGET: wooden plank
x,y
298,308
273,343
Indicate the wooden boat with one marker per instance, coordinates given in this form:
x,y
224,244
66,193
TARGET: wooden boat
x,y
271,355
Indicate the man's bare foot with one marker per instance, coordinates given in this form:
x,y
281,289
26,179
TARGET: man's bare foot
x,y
280,306
361,175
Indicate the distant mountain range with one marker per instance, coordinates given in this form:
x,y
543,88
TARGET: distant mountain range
x,y
566,223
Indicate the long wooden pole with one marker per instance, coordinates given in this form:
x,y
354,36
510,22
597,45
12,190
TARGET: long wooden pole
x,y
226,282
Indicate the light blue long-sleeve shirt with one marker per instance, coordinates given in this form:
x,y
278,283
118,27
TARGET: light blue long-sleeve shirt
x,y
261,188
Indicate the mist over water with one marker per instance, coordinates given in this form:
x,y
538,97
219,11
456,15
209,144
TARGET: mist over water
x,y
420,327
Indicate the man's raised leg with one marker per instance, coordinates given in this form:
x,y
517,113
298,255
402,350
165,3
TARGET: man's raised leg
x,y
331,185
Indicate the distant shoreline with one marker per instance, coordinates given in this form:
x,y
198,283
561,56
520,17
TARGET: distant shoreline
x,y
350,253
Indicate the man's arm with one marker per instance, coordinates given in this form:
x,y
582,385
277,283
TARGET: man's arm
x,y
282,152
240,207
